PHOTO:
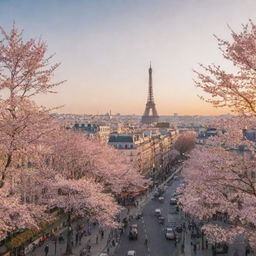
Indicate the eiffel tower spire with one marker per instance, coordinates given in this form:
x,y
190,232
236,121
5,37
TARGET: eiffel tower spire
x,y
150,105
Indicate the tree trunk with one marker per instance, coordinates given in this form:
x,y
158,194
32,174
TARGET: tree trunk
x,y
69,236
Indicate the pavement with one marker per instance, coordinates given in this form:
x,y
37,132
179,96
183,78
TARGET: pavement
x,y
96,247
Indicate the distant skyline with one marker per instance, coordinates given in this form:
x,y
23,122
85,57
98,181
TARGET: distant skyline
x,y
105,47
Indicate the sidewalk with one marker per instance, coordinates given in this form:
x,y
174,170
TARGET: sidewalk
x,y
96,248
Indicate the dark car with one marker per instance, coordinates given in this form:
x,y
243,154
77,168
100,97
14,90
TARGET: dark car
x,y
178,229
133,232
220,248
173,201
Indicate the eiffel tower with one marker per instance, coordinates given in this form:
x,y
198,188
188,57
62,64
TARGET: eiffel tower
x,y
147,118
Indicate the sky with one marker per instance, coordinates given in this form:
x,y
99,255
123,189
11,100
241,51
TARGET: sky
x,y
105,47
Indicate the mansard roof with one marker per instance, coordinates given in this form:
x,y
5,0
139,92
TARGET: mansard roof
x,y
120,138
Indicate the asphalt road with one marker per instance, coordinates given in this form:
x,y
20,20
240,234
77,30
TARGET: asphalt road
x,y
148,226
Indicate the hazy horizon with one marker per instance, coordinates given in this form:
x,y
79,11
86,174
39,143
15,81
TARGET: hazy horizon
x,y
105,48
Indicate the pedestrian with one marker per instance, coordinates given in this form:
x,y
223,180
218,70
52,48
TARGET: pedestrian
x,y
55,245
113,243
194,247
146,241
77,238
46,250
89,248
61,238
80,237
247,251
206,244
102,234
97,239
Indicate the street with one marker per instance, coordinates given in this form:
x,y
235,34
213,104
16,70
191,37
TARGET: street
x,y
148,226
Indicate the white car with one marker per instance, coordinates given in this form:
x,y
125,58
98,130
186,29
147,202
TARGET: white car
x,y
173,201
157,212
103,254
161,198
170,234
131,253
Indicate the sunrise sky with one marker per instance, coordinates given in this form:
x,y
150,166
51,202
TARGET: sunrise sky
x,y
105,47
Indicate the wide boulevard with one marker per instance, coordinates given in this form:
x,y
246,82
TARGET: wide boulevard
x,y
150,228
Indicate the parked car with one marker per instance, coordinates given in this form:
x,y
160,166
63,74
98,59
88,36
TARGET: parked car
x,y
170,234
173,201
133,232
220,248
103,254
178,229
131,253
158,212
195,234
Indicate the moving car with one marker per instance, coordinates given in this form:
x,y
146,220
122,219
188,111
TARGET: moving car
x,y
173,201
161,199
170,234
133,232
158,212
103,254
161,219
131,253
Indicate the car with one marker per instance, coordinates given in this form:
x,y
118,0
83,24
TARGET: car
x,y
220,248
131,253
170,234
158,212
156,194
161,219
133,232
103,254
178,229
173,201
161,199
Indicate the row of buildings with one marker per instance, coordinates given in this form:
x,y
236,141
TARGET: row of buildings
x,y
147,147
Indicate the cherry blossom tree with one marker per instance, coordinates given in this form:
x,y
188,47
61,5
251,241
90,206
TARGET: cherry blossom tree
x,y
88,176
227,179
221,182
185,142
24,127
82,198
237,89
43,165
